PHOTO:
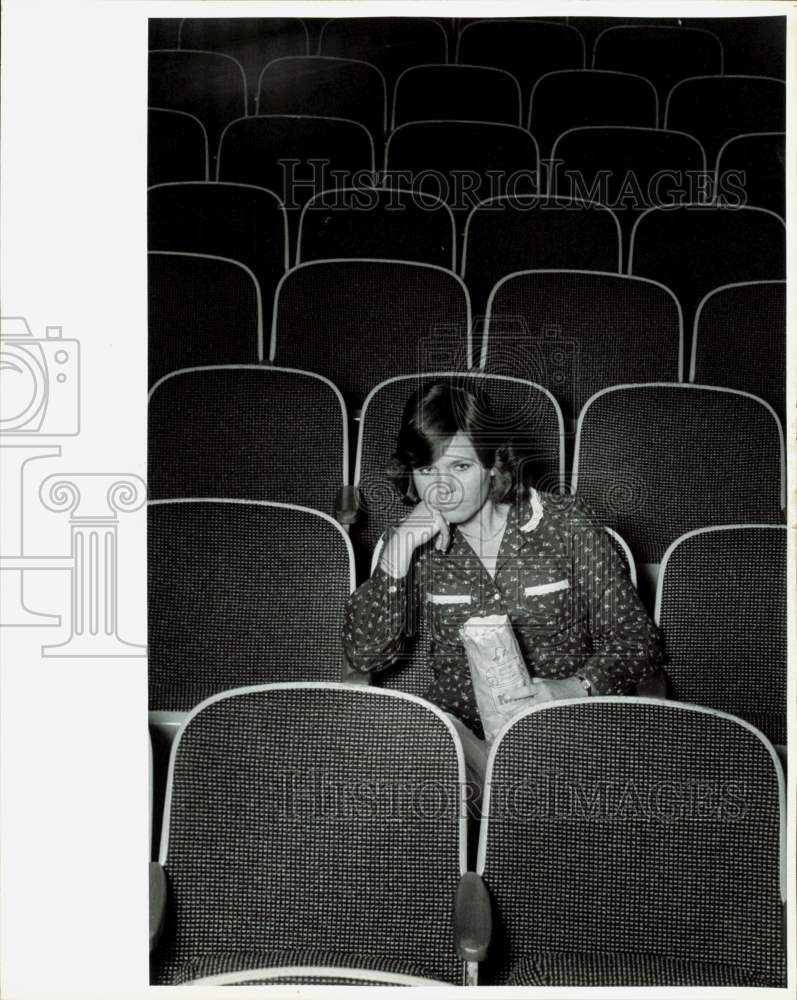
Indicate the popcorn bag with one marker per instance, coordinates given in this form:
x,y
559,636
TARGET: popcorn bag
x,y
501,680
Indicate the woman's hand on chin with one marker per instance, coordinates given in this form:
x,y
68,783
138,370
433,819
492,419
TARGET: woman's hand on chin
x,y
422,524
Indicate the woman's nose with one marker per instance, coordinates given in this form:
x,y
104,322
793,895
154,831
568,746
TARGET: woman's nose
x,y
442,490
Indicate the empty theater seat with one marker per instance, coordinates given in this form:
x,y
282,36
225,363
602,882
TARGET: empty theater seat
x,y
312,833
238,221
506,234
462,162
253,41
381,222
177,147
751,169
655,461
573,98
241,592
391,43
693,249
628,169
247,432
325,87
740,340
721,605
755,45
645,847
576,332
525,48
470,93
203,310
716,108
357,322
296,156
208,85
662,54
275,151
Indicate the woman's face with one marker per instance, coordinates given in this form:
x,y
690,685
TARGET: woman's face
x,y
456,484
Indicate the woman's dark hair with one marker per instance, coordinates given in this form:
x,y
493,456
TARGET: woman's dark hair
x,y
433,415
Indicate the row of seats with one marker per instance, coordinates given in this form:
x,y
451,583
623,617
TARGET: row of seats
x,y
653,460
710,109
250,592
749,45
561,98
524,46
358,322
624,842
392,214
630,170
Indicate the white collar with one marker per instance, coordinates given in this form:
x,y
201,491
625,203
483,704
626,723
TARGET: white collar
x,y
536,512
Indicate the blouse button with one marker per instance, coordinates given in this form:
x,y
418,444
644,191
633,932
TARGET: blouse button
x,y
392,588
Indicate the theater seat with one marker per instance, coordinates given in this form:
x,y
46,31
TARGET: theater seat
x,y
360,321
202,310
313,832
507,234
644,847
377,222
739,340
721,605
241,592
693,249
655,460
577,332
177,147
247,432
237,221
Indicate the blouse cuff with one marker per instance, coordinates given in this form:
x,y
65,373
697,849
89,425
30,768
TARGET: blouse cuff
x,y
607,675
389,584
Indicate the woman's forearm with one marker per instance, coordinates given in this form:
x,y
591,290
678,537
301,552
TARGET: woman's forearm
x,y
375,622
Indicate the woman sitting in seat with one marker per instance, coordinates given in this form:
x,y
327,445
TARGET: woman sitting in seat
x,y
478,542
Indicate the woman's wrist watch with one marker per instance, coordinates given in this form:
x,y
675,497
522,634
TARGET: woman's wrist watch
x,y
584,683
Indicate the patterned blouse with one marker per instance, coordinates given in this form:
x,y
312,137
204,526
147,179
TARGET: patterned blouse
x,y
559,578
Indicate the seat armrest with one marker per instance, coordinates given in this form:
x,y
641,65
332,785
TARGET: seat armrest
x,y
158,893
347,504
473,918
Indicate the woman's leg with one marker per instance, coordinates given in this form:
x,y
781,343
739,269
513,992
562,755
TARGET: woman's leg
x,y
476,752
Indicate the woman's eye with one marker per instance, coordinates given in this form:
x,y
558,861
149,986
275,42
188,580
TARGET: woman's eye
x,y
425,471
462,466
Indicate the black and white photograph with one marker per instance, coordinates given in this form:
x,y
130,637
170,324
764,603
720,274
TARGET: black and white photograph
x,y
398,549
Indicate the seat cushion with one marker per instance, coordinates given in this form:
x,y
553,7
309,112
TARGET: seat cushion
x,y
231,963
640,969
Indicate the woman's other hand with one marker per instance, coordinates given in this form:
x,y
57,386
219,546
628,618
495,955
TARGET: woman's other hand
x,y
557,689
